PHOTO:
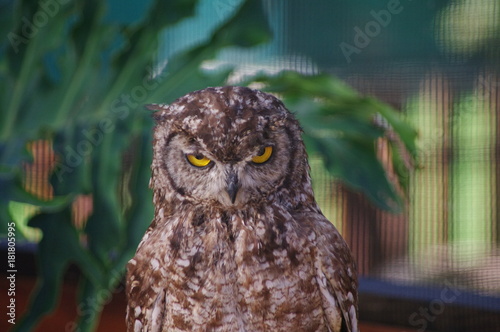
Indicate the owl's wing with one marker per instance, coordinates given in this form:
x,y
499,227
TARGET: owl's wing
x,y
337,277
146,295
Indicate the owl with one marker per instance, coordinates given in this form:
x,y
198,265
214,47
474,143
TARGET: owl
x,y
237,242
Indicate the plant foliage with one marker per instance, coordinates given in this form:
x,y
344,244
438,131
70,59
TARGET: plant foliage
x,y
79,82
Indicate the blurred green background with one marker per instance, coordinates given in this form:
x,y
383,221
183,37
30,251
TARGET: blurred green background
x,y
363,77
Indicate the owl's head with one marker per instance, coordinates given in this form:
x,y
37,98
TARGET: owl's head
x,y
229,147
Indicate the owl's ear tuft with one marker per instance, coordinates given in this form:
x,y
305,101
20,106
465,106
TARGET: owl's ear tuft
x,y
159,111
273,121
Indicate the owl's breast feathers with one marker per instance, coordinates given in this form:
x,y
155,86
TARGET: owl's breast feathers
x,y
260,269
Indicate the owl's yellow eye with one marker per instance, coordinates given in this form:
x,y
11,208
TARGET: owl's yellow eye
x,y
263,156
197,160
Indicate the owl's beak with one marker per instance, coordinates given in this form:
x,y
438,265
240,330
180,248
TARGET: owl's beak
x,y
232,185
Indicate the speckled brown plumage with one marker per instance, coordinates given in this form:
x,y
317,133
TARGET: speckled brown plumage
x,y
236,245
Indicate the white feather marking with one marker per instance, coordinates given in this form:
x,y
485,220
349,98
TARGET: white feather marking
x,y
137,311
260,230
354,320
332,313
193,286
183,262
156,323
137,326
154,264
269,284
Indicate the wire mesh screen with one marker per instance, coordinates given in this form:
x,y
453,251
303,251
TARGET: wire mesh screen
x,y
438,62
448,234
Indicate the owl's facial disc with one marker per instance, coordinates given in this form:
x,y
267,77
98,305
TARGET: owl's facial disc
x,y
231,177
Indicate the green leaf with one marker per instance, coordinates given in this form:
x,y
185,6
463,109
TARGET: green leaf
x,y
343,128
355,162
107,217
59,246
91,300
140,214
292,83
404,130
11,189
248,27
72,147
164,14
